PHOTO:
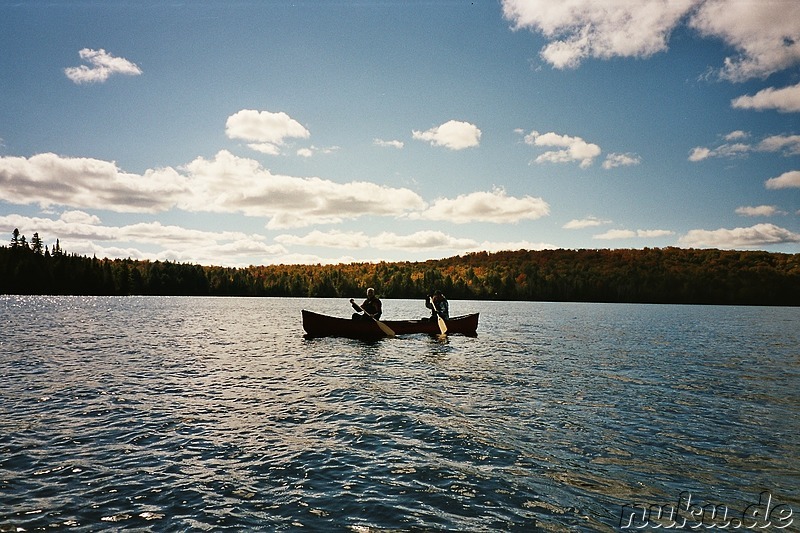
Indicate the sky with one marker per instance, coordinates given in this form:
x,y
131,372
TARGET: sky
x,y
262,132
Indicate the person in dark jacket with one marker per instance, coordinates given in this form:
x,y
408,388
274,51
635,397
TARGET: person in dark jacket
x,y
372,306
438,305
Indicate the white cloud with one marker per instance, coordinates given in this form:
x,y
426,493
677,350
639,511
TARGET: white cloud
x,y
574,148
84,234
388,144
788,144
224,184
764,33
621,160
736,135
758,211
328,239
581,29
786,180
313,150
699,153
758,235
420,240
417,241
495,206
103,65
785,100
588,222
452,134
267,131
630,234
232,184
84,183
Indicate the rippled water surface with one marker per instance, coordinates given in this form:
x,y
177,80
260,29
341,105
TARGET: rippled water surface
x,y
173,414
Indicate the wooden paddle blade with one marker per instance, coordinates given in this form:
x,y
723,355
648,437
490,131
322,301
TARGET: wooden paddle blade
x,y
442,325
386,329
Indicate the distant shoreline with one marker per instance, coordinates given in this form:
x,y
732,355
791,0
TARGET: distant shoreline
x,y
650,275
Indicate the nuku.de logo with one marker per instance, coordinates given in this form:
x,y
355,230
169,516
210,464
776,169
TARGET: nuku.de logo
x,y
767,513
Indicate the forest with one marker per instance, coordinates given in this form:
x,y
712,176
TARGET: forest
x,y
649,275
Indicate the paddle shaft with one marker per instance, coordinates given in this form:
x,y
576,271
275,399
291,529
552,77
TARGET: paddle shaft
x,y
386,329
442,325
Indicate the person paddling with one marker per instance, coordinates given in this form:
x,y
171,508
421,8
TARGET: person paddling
x,y
438,305
372,306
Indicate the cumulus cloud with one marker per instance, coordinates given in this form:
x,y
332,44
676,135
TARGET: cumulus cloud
x,y
267,131
621,160
588,222
785,100
79,182
232,184
103,65
758,235
764,34
494,206
787,180
452,134
573,148
224,184
388,144
758,211
630,234
603,29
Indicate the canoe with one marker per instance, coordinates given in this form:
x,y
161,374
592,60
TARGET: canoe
x,y
317,325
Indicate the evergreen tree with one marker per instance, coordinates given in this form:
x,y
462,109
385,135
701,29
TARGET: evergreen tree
x,y
36,244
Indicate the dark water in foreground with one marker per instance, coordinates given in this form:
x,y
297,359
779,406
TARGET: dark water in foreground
x,y
174,414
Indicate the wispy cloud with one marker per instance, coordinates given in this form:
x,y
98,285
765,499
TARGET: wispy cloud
x,y
494,206
588,222
453,134
615,234
103,66
416,241
574,149
759,211
758,235
85,234
787,144
621,160
388,144
267,131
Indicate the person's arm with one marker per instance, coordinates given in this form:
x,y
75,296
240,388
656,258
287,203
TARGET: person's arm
x,y
355,305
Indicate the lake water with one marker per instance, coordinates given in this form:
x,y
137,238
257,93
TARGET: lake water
x,y
174,414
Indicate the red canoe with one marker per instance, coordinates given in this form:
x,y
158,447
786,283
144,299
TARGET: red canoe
x,y
317,325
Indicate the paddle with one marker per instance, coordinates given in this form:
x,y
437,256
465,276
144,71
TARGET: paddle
x,y
442,325
384,328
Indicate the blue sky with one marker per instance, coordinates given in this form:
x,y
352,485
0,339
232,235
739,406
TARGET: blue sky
x,y
257,132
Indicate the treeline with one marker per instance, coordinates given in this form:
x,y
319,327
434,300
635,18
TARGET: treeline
x,y
657,275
